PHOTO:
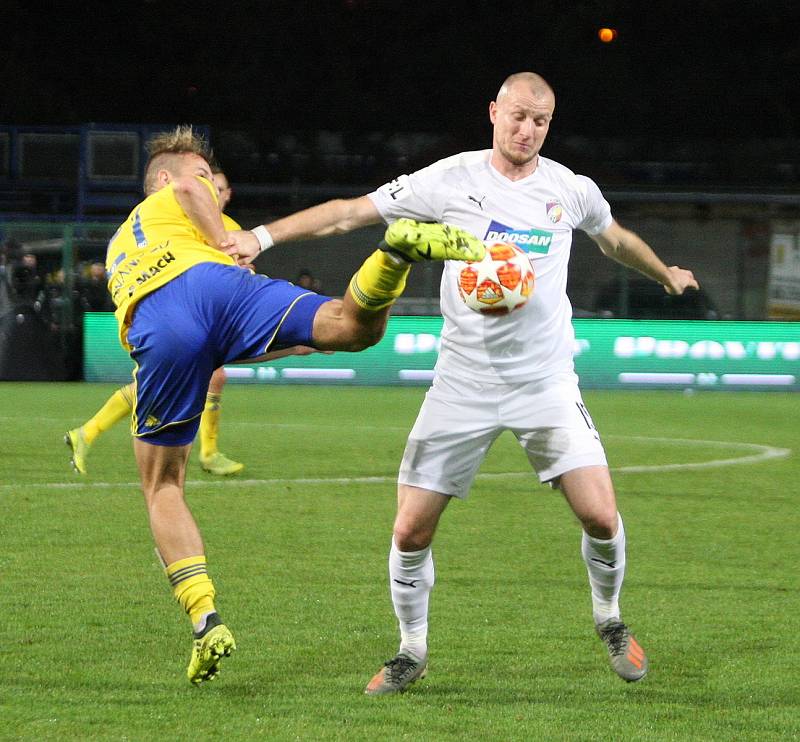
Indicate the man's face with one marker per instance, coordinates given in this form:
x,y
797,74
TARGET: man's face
x,y
224,188
521,122
191,164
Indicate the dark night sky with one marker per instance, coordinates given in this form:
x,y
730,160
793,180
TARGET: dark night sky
x,y
705,69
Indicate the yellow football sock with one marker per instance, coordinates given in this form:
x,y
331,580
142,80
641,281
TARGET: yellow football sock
x,y
119,405
209,425
379,281
191,586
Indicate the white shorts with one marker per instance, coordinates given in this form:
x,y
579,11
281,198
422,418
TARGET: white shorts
x,y
459,420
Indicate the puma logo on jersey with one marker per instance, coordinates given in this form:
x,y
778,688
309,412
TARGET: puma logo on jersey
x,y
530,240
480,203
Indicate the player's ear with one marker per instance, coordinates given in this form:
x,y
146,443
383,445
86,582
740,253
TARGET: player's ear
x,y
163,177
493,111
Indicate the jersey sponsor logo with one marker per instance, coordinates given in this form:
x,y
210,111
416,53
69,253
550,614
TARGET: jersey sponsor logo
x,y
153,269
112,269
530,240
163,261
554,211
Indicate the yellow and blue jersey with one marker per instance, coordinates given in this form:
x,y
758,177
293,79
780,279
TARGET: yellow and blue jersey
x,y
154,245
185,308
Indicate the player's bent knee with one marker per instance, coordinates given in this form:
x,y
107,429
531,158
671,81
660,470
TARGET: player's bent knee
x,y
368,335
601,524
409,536
334,330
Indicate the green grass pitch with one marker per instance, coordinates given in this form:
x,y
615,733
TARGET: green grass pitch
x,y
94,647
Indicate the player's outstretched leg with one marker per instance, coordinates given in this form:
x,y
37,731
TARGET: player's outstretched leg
x,y
211,644
79,448
396,675
414,241
625,654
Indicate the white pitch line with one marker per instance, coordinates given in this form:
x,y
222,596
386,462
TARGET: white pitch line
x,y
760,453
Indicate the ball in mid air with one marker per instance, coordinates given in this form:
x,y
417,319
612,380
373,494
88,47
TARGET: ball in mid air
x,y
500,283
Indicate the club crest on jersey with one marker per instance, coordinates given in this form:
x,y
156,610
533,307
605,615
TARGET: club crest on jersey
x,y
530,240
554,211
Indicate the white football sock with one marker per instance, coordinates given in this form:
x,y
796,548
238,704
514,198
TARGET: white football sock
x,y
411,578
605,562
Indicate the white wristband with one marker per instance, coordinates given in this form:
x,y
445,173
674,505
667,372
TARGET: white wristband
x,y
264,237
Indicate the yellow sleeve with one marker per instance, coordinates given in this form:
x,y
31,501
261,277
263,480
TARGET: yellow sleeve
x,y
231,225
211,187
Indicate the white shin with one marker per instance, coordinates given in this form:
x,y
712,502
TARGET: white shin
x,y
605,562
411,578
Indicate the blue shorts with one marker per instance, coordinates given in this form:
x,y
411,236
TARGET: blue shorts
x,y
208,316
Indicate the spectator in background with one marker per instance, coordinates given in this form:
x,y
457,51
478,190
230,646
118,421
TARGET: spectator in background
x,y
26,281
54,299
307,281
223,186
93,290
9,252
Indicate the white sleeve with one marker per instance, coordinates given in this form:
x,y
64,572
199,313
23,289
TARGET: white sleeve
x,y
413,196
596,212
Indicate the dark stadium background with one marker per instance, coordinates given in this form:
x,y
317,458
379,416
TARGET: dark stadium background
x,y
707,68
689,120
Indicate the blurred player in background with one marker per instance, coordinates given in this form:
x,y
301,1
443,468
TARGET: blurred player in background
x,y
497,373
185,308
120,404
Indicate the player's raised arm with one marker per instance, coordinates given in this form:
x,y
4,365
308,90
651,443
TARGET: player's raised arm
x,y
332,217
195,198
628,248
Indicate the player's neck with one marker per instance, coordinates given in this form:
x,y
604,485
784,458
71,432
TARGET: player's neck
x,y
512,171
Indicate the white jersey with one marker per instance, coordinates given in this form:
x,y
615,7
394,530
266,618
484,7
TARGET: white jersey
x,y
537,213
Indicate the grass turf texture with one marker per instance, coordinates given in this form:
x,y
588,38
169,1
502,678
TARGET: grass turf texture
x,y
95,648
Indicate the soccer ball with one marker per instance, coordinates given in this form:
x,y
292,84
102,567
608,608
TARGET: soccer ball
x,y
498,284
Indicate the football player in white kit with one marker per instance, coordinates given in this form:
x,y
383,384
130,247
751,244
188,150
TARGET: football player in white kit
x,y
495,373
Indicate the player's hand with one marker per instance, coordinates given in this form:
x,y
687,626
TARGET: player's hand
x,y
243,245
680,279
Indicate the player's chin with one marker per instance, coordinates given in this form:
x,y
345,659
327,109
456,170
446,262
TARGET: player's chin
x,y
521,155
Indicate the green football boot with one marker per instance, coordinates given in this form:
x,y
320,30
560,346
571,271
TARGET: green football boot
x,y
414,241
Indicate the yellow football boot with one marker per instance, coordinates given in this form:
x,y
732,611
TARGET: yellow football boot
x,y
219,464
414,241
213,643
79,448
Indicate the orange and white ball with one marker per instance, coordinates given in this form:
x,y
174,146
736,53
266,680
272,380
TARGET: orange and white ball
x,y
500,283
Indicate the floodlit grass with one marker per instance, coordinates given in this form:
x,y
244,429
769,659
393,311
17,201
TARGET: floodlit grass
x,y
94,647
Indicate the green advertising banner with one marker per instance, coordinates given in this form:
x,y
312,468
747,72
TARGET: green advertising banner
x,y
635,354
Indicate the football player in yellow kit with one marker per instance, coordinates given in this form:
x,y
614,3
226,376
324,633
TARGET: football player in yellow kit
x,y
185,307
120,404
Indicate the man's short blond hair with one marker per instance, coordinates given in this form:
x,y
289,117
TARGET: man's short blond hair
x,y
163,148
537,84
